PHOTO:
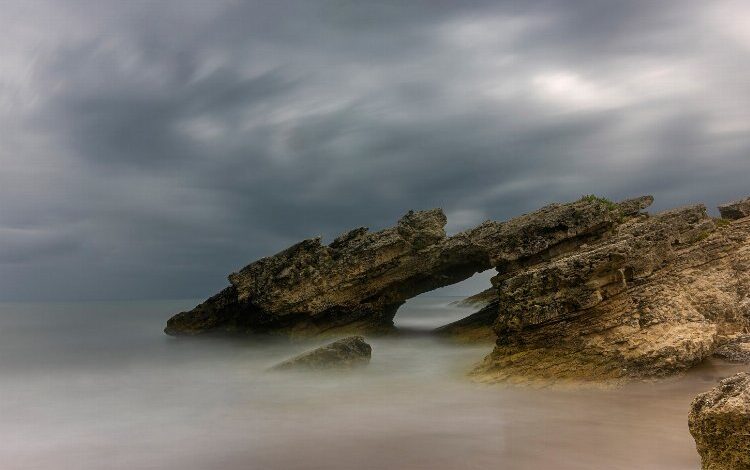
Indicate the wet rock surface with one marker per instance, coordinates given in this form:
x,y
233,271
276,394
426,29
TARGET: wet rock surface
x,y
719,421
357,282
345,353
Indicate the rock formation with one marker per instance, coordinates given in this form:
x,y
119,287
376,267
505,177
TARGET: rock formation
x,y
652,299
475,328
345,353
357,282
720,424
735,210
479,300
585,291
735,349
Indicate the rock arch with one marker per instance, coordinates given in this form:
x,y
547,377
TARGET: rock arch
x,y
358,282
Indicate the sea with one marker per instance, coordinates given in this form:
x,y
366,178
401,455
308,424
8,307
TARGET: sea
x,y
99,386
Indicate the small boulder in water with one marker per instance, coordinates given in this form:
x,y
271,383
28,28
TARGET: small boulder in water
x,y
720,424
345,353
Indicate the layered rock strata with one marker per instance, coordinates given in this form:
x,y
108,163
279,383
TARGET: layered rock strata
x,y
719,421
652,299
357,282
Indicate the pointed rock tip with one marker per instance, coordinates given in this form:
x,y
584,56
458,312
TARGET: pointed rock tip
x,y
635,205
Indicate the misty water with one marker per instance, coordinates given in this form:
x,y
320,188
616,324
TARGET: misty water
x,y
98,386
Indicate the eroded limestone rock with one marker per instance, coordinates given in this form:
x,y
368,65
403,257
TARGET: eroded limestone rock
x,y
648,301
357,282
719,421
345,353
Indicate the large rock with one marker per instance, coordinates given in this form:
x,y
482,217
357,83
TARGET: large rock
x,y
735,210
345,353
720,424
357,282
651,300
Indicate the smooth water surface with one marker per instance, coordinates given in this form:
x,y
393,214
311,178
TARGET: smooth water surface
x,y
98,386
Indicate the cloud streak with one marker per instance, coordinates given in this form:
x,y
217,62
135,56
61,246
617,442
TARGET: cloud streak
x,y
150,148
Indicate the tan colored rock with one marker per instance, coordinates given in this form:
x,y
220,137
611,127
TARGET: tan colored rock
x,y
649,301
719,421
357,282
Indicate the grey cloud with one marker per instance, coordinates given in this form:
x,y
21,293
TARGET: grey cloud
x,y
183,139
27,246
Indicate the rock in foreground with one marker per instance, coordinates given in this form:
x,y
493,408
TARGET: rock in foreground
x,y
720,424
345,353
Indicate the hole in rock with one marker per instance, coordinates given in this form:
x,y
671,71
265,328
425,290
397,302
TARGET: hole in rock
x,y
439,307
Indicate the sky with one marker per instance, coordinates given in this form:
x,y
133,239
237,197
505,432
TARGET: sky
x,y
149,148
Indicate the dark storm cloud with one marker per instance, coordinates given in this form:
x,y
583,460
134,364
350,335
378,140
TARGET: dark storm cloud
x,y
152,147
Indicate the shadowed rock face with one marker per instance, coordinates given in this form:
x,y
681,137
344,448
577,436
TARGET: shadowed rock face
x,y
475,328
720,424
357,282
345,353
735,349
735,210
652,299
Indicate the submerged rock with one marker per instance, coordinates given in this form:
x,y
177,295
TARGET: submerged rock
x,y
651,300
735,210
357,282
345,353
719,421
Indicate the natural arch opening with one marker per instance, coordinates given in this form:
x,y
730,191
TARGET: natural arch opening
x,y
439,307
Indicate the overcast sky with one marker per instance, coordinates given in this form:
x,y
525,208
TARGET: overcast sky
x,y
150,148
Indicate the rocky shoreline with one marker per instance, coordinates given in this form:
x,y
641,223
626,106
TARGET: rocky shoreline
x,y
587,293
